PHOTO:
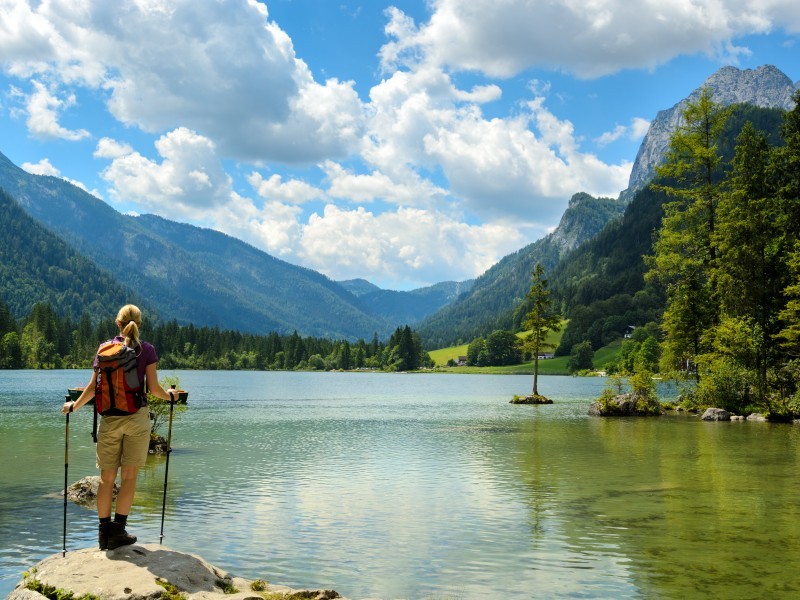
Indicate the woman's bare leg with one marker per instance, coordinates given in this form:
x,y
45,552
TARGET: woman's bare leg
x,y
126,490
105,492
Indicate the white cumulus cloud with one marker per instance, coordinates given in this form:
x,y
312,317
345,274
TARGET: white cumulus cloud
x,y
44,167
189,180
408,244
110,148
504,37
294,191
43,108
635,131
222,69
404,187
522,168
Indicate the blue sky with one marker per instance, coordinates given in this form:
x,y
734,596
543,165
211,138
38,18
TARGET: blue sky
x,y
403,142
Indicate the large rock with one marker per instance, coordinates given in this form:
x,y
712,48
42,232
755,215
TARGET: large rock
x,y
84,491
158,445
756,417
142,571
716,414
626,405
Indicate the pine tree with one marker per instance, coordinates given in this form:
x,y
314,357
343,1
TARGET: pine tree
x,y
540,319
786,170
752,254
789,336
7,321
786,166
685,254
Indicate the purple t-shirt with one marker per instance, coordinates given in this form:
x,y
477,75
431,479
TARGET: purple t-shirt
x,y
145,355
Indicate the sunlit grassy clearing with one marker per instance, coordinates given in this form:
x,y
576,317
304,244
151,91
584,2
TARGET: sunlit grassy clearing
x,y
441,356
551,366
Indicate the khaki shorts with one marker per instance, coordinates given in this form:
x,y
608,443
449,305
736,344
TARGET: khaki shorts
x,y
124,440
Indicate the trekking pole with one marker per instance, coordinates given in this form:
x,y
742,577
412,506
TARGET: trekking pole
x,y
66,479
166,468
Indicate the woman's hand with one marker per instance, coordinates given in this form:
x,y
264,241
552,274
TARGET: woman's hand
x,y
68,407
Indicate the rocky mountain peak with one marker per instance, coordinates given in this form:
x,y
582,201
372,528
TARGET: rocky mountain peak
x,y
767,87
584,218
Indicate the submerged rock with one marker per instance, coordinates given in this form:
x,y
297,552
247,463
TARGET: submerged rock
x,y
716,414
84,491
145,571
756,417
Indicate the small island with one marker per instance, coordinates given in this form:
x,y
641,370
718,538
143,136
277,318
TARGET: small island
x,y
530,399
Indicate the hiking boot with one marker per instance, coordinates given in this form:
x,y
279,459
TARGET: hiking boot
x,y
117,536
102,535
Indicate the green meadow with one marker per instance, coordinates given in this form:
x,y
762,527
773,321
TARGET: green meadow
x,y
551,366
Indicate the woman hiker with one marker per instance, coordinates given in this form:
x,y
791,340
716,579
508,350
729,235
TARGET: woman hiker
x,y
123,439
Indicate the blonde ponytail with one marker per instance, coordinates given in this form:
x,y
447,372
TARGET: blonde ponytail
x,y
129,319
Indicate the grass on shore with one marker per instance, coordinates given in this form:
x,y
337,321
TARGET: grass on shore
x,y
607,354
550,366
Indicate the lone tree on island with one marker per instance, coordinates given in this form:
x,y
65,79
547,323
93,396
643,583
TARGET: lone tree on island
x,y
541,320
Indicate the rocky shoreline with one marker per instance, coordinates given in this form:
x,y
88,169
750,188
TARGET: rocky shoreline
x,y
144,571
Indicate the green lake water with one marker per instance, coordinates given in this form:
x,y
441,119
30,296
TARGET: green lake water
x,y
425,486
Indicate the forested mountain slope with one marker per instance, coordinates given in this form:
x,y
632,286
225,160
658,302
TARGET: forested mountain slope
x,y
490,304
37,266
191,274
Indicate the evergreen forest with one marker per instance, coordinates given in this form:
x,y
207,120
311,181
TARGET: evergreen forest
x,y
46,340
705,264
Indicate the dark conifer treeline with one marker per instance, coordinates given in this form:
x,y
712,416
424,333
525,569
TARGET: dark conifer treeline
x,y
46,340
725,255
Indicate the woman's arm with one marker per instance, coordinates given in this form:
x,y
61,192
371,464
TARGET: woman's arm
x,y
86,395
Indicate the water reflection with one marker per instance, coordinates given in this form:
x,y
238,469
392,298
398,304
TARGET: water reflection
x,y
426,486
686,508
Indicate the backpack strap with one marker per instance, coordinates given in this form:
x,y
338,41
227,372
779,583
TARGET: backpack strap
x,y
96,405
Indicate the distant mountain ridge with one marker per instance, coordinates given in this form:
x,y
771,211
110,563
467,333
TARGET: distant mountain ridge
x,y
765,87
408,307
359,287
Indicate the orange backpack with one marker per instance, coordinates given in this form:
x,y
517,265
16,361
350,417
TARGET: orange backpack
x,y
118,390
